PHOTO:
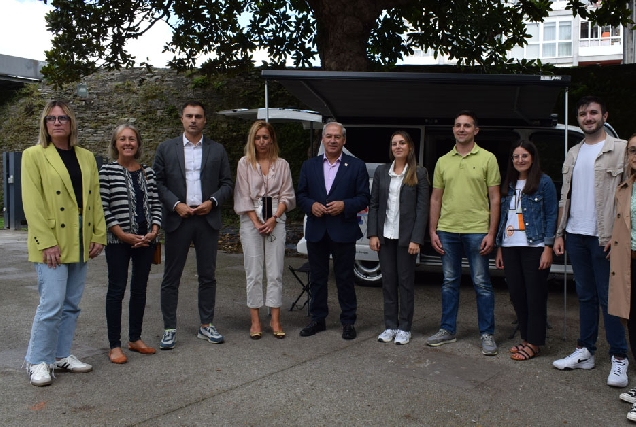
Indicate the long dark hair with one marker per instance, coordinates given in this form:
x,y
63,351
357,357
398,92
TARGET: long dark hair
x,y
411,172
534,173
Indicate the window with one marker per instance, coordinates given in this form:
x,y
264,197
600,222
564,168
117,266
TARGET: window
x,y
548,40
593,35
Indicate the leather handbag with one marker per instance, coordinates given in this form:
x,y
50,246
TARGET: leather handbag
x,y
156,257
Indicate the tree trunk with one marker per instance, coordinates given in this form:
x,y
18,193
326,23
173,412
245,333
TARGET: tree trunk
x,y
343,28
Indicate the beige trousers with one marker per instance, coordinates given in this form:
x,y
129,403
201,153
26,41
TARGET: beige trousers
x,y
263,251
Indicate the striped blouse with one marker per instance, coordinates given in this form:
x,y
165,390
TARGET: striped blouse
x,y
119,198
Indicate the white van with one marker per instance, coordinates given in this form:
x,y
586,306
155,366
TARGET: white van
x,y
374,105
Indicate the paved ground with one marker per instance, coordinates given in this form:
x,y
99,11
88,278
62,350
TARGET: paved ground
x,y
316,381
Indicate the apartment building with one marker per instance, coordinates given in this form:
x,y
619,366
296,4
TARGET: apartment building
x,y
562,39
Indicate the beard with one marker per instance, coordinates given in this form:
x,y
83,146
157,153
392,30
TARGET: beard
x,y
598,126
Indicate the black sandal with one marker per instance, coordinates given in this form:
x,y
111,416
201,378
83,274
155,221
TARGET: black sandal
x,y
525,353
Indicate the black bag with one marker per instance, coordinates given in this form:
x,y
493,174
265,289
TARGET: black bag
x,y
267,207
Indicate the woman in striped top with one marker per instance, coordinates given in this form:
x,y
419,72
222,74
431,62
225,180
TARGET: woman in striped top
x,y
133,217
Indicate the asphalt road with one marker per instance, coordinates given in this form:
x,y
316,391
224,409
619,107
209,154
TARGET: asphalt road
x,y
315,381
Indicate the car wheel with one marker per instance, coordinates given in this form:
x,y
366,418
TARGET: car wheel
x,y
367,273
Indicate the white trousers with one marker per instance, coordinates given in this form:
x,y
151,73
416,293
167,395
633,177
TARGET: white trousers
x,y
263,251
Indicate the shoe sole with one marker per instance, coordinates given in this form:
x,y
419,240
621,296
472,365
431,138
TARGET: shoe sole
x,y
631,417
76,370
627,398
402,342
203,337
166,347
384,341
618,385
490,353
312,334
569,368
41,383
437,344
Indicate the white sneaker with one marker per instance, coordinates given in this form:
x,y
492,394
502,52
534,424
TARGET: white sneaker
x,y
618,375
402,337
73,364
631,415
629,396
387,335
581,358
40,374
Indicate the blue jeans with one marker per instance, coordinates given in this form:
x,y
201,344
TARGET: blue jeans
x,y
455,245
55,319
591,276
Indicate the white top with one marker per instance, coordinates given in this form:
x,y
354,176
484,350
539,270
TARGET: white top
x,y
392,221
582,219
193,155
515,232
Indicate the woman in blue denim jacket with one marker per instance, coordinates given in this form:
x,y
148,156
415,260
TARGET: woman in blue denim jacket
x,y
525,236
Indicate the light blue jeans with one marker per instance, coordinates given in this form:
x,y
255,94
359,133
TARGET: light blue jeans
x,y
455,246
55,319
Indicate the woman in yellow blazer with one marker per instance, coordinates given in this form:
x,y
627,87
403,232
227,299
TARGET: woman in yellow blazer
x,y
60,193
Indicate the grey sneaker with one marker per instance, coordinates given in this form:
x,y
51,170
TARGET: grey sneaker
x,y
211,334
387,335
629,396
40,374
73,364
441,337
488,345
402,337
168,339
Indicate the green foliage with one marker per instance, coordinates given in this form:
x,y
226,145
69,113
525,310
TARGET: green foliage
x,y
345,34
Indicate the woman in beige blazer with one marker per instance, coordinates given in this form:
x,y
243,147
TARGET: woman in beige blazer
x,y
623,260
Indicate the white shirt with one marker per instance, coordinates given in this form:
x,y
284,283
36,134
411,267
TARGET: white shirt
x,y
515,231
193,154
582,218
392,221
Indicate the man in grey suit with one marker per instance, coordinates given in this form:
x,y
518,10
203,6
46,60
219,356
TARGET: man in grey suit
x,y
193,179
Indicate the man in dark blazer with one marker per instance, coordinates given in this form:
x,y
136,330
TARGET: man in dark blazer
x,y
193,179
332,189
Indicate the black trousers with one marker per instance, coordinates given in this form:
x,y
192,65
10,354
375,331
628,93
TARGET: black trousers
x,y
118,258
343,261
398,283
528,287
206,240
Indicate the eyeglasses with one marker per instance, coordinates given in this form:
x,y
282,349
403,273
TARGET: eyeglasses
x,y
52,119
631,151
517,157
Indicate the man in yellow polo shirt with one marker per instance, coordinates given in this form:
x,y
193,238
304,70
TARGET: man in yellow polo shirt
x,y
463,219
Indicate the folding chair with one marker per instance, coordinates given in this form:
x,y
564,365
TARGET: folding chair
x,y
306,287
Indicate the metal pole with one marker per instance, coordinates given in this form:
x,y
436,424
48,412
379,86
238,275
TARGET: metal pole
x,y
266,101
565,255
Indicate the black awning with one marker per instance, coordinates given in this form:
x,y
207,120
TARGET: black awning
x,y
424,98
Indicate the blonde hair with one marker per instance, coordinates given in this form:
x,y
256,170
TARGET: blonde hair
x,y
44,138
411,172
112,149
250,148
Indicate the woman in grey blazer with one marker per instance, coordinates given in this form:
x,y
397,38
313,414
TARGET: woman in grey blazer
x,y
398,215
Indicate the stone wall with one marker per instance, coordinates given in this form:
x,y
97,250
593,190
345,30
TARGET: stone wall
x,y
151,100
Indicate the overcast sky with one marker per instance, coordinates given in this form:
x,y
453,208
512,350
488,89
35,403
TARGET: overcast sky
x,y
23,33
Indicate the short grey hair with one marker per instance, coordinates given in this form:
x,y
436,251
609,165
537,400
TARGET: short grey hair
x,y
324,128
